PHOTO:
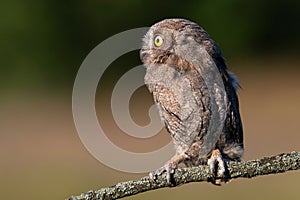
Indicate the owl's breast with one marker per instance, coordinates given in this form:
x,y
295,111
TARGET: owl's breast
x,y
172,87
181,103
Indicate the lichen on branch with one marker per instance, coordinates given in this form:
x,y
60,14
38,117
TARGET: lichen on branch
x,y
243,169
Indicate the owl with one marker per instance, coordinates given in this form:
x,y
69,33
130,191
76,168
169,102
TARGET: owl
x,y
195,94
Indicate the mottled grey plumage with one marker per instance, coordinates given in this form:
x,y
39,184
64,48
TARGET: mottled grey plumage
x,y
180,59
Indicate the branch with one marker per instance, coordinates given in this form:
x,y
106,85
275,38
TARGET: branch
x,y
243,169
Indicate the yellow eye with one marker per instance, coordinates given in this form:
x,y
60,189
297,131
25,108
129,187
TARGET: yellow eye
x,y
158,41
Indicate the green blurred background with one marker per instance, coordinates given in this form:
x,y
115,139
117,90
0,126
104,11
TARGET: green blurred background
x,y
43,44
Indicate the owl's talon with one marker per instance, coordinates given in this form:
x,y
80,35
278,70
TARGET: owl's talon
x,y
217,160
153,175
170,171
169,168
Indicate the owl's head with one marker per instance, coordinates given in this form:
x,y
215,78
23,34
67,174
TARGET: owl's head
x,y
172,37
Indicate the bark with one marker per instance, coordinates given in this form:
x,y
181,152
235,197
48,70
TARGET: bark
x,y
243,169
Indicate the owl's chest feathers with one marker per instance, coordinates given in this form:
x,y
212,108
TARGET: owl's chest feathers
x,y
183,102
168,85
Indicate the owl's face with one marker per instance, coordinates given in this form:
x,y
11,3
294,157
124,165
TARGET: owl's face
x,y
163,39
170,37
156,42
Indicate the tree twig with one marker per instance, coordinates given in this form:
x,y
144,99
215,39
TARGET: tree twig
x,y
244,169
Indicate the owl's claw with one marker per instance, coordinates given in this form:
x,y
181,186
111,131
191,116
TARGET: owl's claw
x,y
217,160
169,168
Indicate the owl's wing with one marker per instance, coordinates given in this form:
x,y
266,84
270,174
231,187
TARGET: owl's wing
x,y
233,130
181,120
183,100
233,125
203,109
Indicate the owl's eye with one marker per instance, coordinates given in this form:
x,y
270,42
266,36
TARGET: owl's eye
x,y
158,41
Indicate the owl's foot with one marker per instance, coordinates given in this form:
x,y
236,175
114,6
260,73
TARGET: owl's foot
x,y
169,168
217,167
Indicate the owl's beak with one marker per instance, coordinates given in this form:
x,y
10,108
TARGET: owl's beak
x,y
143,55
